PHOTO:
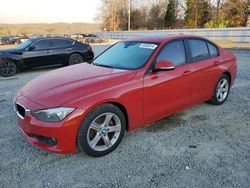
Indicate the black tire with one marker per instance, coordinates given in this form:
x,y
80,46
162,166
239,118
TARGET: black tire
x,y
75,59
215,99
8,68
83,135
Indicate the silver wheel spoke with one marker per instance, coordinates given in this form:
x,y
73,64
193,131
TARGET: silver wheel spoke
x,y
218,94
95,126
115,128
95,140
224,90
223,83
106,140
221,96
108,117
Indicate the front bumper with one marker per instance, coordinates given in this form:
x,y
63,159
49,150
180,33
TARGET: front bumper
x,y
64,132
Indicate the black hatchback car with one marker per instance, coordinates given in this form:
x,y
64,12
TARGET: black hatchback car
x,y
44,52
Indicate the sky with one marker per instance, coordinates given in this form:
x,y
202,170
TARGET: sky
x,y
48,11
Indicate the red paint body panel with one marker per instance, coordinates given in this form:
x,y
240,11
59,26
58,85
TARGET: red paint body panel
x,y
63,132
147,97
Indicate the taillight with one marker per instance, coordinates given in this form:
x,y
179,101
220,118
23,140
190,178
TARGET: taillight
x,y
89,47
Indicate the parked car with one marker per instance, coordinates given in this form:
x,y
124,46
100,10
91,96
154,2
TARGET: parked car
x,y
132,84
5,40
41,52
92,38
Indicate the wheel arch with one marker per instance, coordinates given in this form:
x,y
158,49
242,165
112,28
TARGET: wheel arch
x,y
228,74
76,52
124,111
16,61
115,103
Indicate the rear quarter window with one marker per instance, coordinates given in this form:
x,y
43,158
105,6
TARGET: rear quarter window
x,y
213,50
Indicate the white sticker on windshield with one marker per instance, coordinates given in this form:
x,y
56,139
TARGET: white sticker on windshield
x,y
148,46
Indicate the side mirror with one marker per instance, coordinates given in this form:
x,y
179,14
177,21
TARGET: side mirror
x,y
163,65
31,48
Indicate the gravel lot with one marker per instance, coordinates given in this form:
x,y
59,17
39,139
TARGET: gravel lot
x,y
205,146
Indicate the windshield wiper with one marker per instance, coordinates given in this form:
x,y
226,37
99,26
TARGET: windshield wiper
x,y
101,65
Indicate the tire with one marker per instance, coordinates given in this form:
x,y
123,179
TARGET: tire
x,y
101,131
75,59
8,68
221,91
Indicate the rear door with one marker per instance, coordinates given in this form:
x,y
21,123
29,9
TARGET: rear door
x,y
62,48
205,58
168,91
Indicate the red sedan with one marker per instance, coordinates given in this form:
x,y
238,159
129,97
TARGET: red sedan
x,y
132,84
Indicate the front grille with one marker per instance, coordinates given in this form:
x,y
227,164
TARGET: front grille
x,y
20,110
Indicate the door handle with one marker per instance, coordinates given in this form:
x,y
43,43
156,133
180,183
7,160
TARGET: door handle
x,y
68,49
216,63
186,72
47,51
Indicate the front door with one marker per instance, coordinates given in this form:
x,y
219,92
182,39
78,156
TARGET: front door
x,y
168,91
39,54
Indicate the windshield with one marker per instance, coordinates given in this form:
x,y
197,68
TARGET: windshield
x,y
128,55
24,44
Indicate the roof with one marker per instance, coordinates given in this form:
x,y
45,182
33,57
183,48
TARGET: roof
x,y
47,37
159,38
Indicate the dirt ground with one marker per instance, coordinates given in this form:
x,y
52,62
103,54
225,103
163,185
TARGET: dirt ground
x,y
204,146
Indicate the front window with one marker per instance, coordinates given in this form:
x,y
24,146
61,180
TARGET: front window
x,y
129,55
173,52
42,44
24,44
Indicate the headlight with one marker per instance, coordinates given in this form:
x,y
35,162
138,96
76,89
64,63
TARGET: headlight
x,y
52,114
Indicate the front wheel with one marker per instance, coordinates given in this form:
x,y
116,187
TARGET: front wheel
x,y
221,91
101,131
7,68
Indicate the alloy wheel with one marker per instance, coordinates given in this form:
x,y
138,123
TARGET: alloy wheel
x,y
222,90
8,68
104,131
75,59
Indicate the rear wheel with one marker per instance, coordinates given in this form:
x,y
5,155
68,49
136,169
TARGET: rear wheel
x,y
8,68
221,91
101,131
75,59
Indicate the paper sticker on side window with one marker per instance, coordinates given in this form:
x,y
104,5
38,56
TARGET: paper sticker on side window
x,y
148,46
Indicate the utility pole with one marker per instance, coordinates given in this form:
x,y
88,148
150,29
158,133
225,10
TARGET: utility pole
x,y
129,11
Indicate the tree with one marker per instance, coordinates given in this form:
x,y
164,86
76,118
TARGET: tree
x,y
204,13
197,13
139,18
171,14
113,14
156,14
234,11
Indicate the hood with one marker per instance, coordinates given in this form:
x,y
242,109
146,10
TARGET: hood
x,y
60,86
10,51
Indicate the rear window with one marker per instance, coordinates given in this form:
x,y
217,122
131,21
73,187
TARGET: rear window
x,y
61,42
213,51
199,50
